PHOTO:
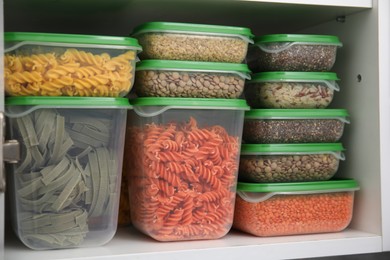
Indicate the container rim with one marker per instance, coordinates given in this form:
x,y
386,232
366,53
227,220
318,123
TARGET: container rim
x,y
303,38
251,149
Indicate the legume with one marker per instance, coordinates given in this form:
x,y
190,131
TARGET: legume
x,y
288,95
295,214
188,84
287,168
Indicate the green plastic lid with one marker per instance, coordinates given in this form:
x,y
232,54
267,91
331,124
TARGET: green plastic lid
x,y
248,149
293,76
329,185
305,38
71,38
242,69
295,113
191,102
193,28
82,102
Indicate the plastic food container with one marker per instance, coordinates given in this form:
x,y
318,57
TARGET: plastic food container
x,y
183,165
65,189
47,64
291,89
270,163
193,42
280,209
167,78
293,52
273,126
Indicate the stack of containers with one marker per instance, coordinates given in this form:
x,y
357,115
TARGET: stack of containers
x,y
183,143
291,151
65,106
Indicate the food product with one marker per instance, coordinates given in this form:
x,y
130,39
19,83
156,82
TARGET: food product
x,y
293,52
289,162
57,69
294,125
296,208
66,187
190,79
182,185
193,42
291,90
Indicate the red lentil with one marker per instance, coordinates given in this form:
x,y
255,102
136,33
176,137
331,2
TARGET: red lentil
x,y
295,214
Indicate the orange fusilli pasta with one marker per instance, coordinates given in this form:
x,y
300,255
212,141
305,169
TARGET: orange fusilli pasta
x,y
182,180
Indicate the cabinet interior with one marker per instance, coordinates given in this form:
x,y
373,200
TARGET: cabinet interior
x,y
356,64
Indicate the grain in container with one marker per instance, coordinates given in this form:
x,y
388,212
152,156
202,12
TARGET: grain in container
x,y
65,189
273,126
193,42
48,64
183,166
280,209
293,52
167,78
291,89
268,163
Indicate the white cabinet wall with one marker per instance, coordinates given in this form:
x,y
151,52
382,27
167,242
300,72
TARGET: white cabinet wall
x,y
362,63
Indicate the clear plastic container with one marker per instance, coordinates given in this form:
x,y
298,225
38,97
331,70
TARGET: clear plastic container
x,y
281,209
269,163
167,78
48,64
274,126
183,165
193,42
65,190
291,89
293,52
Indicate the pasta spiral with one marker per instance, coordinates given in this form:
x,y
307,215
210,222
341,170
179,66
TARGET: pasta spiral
x,y
72,73
182,180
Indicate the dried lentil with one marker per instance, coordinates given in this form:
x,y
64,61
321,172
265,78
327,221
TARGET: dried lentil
x,y
188,84
287,168
275,131
288,95
299,57
295,214
174,46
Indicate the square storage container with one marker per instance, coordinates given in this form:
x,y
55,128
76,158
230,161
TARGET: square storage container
x,y
273,126
293,52
268,163
47,64
281,209
193,42
291,89
166,78
183,165
65,190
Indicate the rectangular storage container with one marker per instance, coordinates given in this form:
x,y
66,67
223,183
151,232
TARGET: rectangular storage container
x,y
291,89
167,78
273,126
65,189
193,42
48,64
268,163
294,208
293,52
182,166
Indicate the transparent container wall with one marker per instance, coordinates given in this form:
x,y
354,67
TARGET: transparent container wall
x,y
192,47
65,190
295,214
41,70
182,172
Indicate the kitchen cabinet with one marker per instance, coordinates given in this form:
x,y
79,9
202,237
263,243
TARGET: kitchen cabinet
x,y
362,64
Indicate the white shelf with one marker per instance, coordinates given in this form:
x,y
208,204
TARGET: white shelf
x,y
338,3
130,244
